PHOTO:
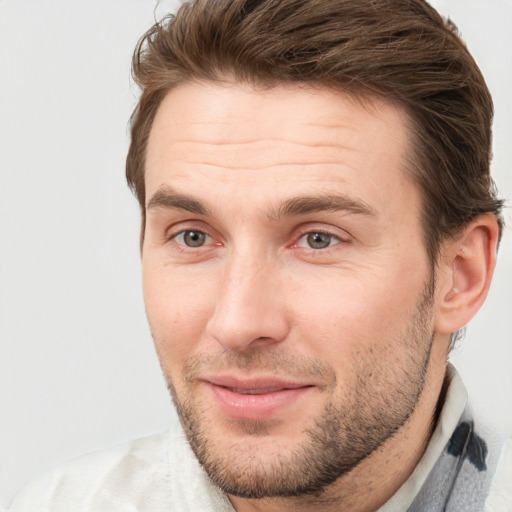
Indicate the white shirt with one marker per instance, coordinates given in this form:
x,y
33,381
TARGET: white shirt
x,y
161,473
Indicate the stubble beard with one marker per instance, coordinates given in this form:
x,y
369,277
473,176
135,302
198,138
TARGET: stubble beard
x,y
348,430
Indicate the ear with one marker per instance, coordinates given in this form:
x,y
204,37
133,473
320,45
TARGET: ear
x,y
465,270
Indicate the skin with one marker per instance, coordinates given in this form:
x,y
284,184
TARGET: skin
x,y
356,325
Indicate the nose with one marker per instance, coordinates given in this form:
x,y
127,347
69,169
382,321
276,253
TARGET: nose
x,y
250,310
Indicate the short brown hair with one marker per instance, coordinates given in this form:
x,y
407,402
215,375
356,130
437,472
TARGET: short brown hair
x,y
402,50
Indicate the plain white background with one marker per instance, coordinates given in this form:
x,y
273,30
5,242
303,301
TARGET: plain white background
x,y
77,366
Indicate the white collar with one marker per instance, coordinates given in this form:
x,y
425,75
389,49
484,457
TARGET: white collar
x,y
454,404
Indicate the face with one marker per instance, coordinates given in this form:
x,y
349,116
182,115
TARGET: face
x,y
285,279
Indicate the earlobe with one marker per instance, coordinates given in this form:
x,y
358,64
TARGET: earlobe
x,y
465,277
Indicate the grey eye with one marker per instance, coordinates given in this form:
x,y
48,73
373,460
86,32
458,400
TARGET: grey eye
x,y
193,238
319,240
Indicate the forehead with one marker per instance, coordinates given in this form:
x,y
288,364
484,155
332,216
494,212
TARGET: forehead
x,y
240,137
238,112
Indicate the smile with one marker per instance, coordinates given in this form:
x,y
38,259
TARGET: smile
x,y
255,399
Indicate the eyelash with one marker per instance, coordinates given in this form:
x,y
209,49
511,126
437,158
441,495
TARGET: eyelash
x,y
310,230
183,247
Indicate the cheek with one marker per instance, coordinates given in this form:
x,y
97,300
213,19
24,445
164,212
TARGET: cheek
x,y
340,314
178,308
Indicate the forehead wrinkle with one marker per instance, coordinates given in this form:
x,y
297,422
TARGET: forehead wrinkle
x,y
263,166
258,153
228,142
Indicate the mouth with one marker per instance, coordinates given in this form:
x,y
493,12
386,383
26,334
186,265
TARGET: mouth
x,y
254,391
255,399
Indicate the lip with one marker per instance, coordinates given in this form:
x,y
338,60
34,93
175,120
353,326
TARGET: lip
x,y
255,399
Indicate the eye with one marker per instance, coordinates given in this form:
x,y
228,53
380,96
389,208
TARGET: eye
x,y
318,240
192,238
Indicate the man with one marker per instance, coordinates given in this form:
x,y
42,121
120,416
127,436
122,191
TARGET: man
x,y
318,224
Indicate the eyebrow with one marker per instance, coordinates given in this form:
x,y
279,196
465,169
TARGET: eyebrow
x,y
166,197
330,203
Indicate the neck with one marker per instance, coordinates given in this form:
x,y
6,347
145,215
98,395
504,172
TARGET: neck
x,y
369,485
